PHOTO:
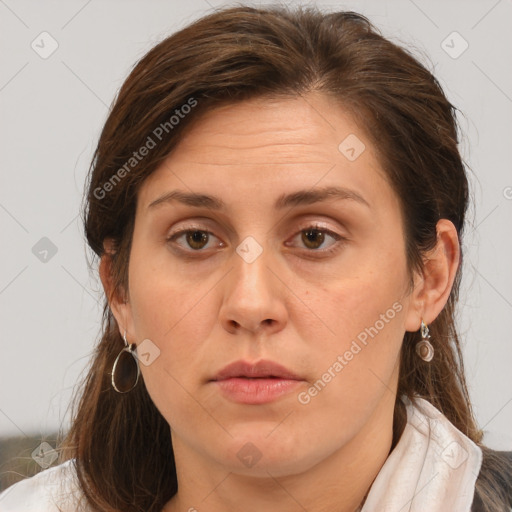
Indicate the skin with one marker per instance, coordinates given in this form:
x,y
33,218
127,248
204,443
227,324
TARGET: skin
x,y
205,307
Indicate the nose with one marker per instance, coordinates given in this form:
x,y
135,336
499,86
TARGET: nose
x,y
254,298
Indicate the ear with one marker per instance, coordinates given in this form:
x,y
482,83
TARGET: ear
x,y
117,299
432,288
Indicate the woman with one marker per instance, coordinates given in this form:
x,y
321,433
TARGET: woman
x,y
277,201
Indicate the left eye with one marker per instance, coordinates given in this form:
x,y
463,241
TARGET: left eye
x,y
313,237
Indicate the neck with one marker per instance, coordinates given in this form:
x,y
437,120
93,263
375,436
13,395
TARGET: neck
x,y
340,482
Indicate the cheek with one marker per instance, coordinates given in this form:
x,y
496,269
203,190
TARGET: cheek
x,y
178,317
361,317
174,316
161,298
349,304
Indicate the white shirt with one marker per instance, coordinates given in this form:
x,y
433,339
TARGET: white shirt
x,y
433,468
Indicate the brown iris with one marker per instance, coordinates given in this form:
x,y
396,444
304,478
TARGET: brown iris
x,y
311,236
197,239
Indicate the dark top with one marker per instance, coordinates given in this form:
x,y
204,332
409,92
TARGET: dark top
x,y
503,482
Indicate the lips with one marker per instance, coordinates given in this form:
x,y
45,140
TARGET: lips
x,y
255,383
259,370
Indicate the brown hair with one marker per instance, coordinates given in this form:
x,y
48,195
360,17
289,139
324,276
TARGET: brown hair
x,y
121,443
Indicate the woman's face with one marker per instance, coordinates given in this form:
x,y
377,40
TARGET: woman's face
x,y
251,261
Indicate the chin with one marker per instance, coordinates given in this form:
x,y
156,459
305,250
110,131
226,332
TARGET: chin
x,y
259,454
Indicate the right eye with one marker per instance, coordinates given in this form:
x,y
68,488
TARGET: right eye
x,y
192,239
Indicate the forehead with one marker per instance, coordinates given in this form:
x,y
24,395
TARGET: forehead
x,y
289,128
268,146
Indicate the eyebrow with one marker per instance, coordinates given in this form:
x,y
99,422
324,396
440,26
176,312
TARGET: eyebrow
x,y
298,198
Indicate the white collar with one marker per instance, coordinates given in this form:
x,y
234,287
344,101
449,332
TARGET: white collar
x,y
433,467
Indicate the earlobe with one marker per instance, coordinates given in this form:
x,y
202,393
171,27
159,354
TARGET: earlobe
x,y
432,289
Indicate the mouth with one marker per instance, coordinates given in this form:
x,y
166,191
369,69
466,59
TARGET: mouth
x,y
255,383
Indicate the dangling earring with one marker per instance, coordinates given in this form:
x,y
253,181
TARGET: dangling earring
x,y
424,348
125,372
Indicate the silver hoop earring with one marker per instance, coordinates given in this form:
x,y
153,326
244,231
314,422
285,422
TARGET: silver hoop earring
x,y
125,371
424,348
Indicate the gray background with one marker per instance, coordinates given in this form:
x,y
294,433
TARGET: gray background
x,y
52,111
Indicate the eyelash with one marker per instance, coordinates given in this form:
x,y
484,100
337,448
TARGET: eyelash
x,y
314,227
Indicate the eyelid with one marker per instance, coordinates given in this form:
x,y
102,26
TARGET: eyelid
x,y
189,227
315,224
